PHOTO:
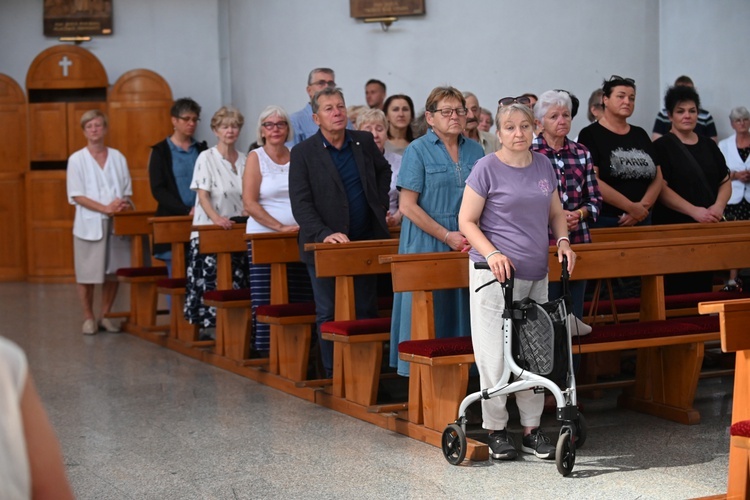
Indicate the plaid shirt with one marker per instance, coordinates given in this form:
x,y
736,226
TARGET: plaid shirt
x,y
578,187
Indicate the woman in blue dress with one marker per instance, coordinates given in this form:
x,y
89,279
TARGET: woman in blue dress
x,y
431,183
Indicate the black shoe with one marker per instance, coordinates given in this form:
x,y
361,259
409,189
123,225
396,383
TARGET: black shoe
x,y
538,444
731,288
501,446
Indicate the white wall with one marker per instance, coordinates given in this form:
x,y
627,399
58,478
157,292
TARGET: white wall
x,y
494,48
255,53
708,40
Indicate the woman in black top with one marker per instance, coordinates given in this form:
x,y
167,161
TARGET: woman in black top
x,y
697,186
629,179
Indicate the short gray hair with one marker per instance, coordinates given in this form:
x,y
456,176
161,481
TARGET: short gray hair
x,y
93,114
549,99
739,112
327,71
267,113
328,91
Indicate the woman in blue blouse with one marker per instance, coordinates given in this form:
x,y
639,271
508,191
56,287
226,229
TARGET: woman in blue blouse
x,y
431,184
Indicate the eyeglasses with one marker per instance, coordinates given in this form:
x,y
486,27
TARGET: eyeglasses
x,y
448,112
521,99
189,119
618,78
324,83
271,125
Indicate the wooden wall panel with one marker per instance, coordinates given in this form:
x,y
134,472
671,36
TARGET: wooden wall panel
x,y
14,160
49,225
48,137
13,243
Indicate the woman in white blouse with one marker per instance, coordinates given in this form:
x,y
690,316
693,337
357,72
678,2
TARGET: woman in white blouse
x,y
265,194
217,179
736,151
99,186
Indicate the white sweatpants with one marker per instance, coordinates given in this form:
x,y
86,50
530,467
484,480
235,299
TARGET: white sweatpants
x,y
486,308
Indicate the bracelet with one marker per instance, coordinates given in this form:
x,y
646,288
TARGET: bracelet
x,y
580,212
445,240
561,239
494,252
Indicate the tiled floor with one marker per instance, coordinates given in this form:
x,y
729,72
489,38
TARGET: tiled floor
x,y
139,421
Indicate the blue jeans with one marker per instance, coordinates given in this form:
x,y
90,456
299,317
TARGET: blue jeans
x,y
324,293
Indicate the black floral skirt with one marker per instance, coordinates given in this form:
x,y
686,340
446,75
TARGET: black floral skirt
x,y
738,211
201,277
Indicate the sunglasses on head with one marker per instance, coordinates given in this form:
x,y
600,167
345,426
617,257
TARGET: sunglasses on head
x,y
618,78
521,99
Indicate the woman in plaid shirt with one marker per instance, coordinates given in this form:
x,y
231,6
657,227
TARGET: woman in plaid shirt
x,y
579,191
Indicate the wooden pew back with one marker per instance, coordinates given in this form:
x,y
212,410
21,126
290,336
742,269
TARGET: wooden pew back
x,y
174,230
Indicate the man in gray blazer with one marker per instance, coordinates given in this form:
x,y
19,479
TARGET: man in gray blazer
x,y
338,187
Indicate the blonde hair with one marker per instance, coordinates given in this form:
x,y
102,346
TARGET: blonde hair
x,y
229,115
91,115
371,116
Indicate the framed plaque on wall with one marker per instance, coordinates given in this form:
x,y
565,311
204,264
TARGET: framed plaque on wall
x,y
67,18
363,9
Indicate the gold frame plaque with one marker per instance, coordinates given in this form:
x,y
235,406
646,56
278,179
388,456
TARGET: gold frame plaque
x,y
76,18
366,9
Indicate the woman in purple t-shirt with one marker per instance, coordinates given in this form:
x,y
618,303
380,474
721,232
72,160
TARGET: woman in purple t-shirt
x,y
509,201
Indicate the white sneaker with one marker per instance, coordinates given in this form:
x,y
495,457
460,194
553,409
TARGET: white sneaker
x,y
89,327
577,327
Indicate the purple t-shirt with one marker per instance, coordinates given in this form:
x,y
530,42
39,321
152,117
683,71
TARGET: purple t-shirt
x,y
516,211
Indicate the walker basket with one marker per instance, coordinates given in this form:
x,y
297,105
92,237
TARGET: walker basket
x,y
540,338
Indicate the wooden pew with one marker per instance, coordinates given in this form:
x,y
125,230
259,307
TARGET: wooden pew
x,y
291,332
356,362
667,372
142,279
232,310
175,230
734,318
625,234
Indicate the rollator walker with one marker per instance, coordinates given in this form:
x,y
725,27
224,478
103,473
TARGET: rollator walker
x,y
542,331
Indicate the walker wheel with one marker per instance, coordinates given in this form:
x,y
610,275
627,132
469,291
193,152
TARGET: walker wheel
x,y
454,444
581,430
565,456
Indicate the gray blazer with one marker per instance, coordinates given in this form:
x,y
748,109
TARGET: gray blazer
x,y
318,197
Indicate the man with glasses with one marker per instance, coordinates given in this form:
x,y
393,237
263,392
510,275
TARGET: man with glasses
x,y
489,142
705,126
338,186
302,121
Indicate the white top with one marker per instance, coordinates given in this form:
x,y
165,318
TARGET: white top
x,y
15,475
395,161
224,185
103,185
274,193
728,148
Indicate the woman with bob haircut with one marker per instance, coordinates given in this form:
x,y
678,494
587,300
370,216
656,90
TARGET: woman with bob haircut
x,y
99,186
510,202
217,179
696,187
374,121
265,196
431,183
578,188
